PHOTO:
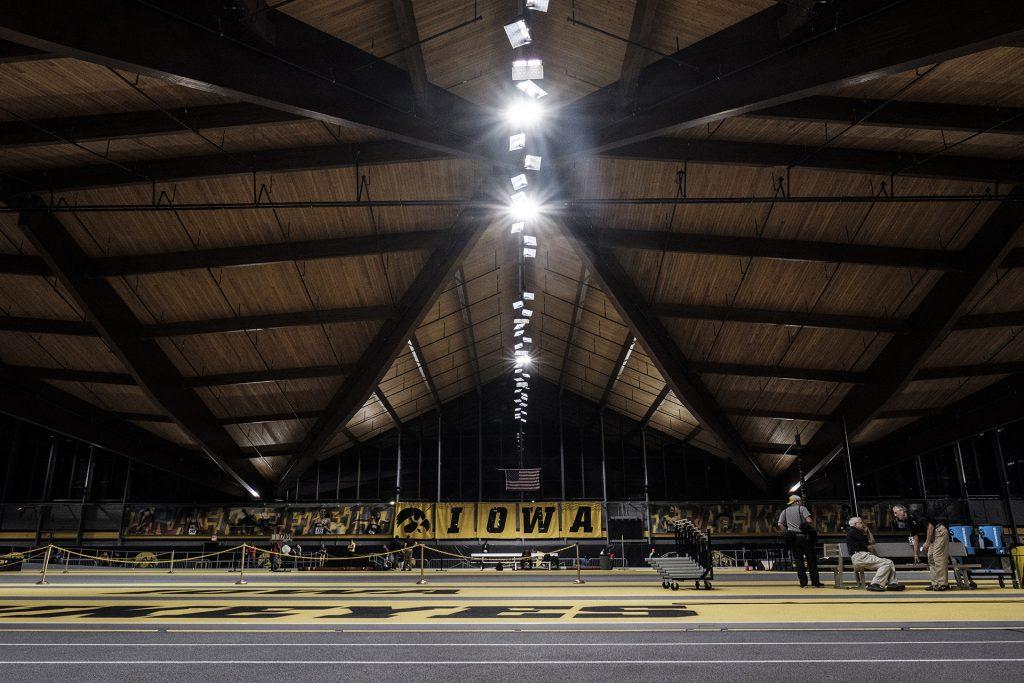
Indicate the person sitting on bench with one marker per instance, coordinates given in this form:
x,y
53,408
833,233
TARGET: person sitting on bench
x,y
861,544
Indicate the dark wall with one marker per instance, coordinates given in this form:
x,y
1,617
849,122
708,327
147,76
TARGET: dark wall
x,y
478,440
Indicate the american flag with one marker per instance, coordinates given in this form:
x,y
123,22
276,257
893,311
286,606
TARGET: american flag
x,y
522,480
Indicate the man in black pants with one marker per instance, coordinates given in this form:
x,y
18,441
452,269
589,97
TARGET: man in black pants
x,y
797,528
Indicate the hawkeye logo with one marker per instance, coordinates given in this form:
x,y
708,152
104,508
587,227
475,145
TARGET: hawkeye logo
x,y
412,521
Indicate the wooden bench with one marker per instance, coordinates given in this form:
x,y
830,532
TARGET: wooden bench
x,y
898,551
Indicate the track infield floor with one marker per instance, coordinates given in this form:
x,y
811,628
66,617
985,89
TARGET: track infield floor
x,y
98,625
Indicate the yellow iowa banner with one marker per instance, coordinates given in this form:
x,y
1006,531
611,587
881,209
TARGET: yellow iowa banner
x,y
539,520
581,520
414,520
496,520
454,520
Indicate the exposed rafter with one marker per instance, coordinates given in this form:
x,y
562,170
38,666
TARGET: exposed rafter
x,y
390,340
578,304
620,364
12,52
259,254
28,399
781,249
900,114
857,160
304,72
674,367
778,372
146,361
748,67
209,165
267,322
788,318
389,409
72,328
658,400
898,362
147,123
637,56
467,318
424,370
405,17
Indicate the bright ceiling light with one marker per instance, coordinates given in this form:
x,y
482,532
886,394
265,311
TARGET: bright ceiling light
x,y
539,5
518,33
518,181
527,69
523,208
794,488
532,89
531,163
524,113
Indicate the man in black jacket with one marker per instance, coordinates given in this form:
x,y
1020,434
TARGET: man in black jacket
x,y
861,546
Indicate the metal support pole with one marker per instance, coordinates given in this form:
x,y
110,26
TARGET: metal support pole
x,y
359,470
561,446
479,448
438,456
920,476
46,565
1004,479
398,468
647,496
67,559
604,481
171,570
961,474
849,470
241,568
579,570
423,580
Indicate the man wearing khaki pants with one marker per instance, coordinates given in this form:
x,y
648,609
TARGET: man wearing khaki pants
x,y
936,545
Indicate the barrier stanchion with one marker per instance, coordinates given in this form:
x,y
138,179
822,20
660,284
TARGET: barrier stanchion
x,y
46,565
579,571
171,570
422,581
241,569
67,558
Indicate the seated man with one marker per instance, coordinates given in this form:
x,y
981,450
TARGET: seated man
x,y
861,545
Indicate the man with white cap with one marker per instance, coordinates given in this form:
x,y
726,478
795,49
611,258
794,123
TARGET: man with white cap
x,y
797,529
861,545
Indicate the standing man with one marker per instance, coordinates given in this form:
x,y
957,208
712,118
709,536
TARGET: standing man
x,y
861,545
936,544
798,531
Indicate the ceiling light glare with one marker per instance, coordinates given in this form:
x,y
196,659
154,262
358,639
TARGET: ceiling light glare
x,y
523,207
538,5
518,333
518,33
529,253
531,163
525,113
527,312
518,181
530,240
528,296
532,89
520,321
527,340
518,227
525,69
517,141
516,305
518,346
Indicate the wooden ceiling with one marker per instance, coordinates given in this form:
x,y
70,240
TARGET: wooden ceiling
x,y
237,240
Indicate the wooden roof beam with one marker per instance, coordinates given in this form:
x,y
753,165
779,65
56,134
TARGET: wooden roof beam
x,y
899,114
787,318
424,370
673,366
381,352
146,123
373,153
636,56
304,71
13,52
901,358
574,321
658,400
462,293
781,249
748,66
851,159
146,361
620,364
405,17
265,322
